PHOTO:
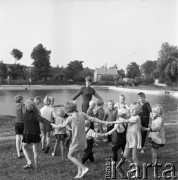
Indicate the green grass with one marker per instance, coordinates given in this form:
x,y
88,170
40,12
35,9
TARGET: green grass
x,y
54,168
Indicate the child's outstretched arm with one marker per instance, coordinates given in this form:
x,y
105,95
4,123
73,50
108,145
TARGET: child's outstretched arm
x,y
112,130
64,124
94,134
96,120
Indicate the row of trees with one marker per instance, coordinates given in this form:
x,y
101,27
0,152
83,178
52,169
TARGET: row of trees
x,y
165,68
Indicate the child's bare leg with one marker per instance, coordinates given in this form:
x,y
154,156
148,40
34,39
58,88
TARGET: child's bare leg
x,y
18,144
126,155
154,155
27,156
79,169
62,148
35,152
48,139
55,146
43,138
135,155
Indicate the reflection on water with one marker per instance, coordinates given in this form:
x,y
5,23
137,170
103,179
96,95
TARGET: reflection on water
x,y
7,105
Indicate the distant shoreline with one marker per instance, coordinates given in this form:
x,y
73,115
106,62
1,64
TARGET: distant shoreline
x,y
128,89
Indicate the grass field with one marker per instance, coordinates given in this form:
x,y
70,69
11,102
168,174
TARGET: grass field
x,y
54,168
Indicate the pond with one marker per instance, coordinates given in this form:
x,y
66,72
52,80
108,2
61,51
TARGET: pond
x,y
63,94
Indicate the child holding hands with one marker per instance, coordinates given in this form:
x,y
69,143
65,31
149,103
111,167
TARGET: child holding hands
x,y
157,134
77,121
60,133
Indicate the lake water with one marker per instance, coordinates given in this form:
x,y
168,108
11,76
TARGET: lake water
x,y
7,105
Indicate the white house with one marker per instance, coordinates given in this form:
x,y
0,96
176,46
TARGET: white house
x,y
103,72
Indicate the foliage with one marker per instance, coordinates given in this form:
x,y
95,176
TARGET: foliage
x,y
17,70
84,73
168,64
41,62
73,69
133,70
17,54
3,70
115,66
121,73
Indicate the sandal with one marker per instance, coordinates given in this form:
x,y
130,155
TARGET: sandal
x,y
27,166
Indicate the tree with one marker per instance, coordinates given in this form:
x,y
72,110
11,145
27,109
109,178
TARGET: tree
x,y
84,73
3,70
168,64
41,61
133,70
115,66
73,69
17,54
121,73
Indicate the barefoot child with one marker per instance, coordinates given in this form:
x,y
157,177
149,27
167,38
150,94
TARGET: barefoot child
x,y
78,145
31,131
19,123
60,133
157,134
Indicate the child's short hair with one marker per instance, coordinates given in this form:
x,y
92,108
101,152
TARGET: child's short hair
x,y
100,103
47,100
141,94
122,96
52,99
123,112
60,112
157,109
70,107
91,103
18,98
37,99
111,101
88,78
137,107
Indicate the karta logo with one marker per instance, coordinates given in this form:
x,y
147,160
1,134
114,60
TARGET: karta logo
x,y
114,171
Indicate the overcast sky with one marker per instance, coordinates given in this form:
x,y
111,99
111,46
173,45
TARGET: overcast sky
x,y
94,31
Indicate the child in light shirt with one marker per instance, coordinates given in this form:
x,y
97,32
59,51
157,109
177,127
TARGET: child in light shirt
x,y
121,104
60,133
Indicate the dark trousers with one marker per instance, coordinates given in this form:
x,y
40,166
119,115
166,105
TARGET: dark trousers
x,y
120,143
144,123
110,136
88,152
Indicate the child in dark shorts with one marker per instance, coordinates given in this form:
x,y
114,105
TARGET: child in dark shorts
x,y
19,123
60,133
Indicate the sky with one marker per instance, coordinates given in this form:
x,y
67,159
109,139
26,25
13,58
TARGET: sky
x,y
97,32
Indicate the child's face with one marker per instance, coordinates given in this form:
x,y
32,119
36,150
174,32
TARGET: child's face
x,y
141,99
110,105
121,99
133,111
154,114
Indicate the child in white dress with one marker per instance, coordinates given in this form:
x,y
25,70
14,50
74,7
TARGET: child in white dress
x,y
157,133
133,136
79,143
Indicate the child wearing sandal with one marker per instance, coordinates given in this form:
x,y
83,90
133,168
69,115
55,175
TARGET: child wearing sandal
x,y
32,131
60,133
79,143
157,133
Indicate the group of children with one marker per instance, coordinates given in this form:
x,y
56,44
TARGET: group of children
x,y
36,120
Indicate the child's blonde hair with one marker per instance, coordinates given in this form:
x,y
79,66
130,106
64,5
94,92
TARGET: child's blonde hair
x,y
91,103
157,109
60,112
111,101
18,98
47,100
137,107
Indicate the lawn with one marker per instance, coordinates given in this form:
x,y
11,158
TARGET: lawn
x,y
54,168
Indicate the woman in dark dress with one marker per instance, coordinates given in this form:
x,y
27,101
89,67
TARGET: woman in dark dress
x,y
87,92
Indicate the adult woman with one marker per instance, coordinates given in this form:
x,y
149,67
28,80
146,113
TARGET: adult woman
x,y
87,92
